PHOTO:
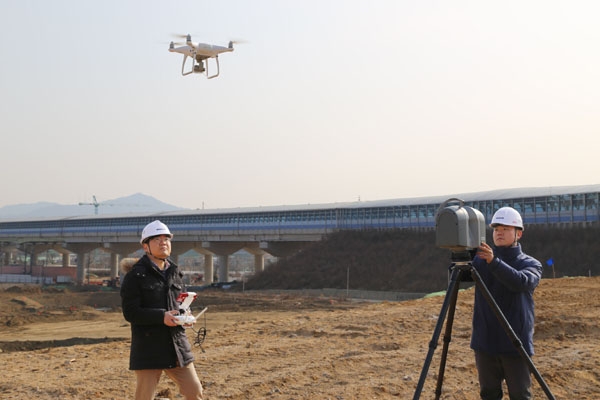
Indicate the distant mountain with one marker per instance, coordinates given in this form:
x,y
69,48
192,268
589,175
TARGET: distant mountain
x,y
135,204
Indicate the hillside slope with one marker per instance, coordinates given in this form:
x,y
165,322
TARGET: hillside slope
x,y
404,260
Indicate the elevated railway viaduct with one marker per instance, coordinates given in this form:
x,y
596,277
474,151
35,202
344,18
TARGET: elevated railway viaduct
x,y
278,231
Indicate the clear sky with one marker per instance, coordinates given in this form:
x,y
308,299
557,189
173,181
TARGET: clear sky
x,y
327,101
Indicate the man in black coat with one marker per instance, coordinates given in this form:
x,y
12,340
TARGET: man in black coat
x,y
149,300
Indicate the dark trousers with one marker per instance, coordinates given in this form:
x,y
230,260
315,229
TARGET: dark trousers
x,y
493,370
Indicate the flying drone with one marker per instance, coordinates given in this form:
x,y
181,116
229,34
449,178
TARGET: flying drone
x,y
199,53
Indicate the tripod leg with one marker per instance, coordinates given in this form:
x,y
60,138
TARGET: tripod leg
x,y
510,332
448,335
453,286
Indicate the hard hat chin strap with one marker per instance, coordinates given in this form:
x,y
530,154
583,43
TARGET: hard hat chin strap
x,y
161,259
158,258
516,241
149,252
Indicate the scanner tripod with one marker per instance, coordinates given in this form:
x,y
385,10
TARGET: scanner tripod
x,y
459,271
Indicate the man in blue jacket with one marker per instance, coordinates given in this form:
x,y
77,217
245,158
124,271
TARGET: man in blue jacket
x,y
511,276
149,300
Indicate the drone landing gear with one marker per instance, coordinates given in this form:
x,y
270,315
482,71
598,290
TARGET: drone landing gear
x,y
459,271
197,67
218,68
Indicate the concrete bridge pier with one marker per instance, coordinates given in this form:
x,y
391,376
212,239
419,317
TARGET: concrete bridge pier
x,y
64,255
119,251
7,250
209,268
59,248
259,263
185,246
114,265
223,262
82,260
38,249
259,256
223,250
82,250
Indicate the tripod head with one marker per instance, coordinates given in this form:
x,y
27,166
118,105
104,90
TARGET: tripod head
x,y
462,257
461,261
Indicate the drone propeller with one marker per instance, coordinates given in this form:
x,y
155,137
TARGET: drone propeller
x,y
179,35
238,41
188,38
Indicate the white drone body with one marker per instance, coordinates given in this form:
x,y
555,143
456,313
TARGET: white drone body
x,y
199,53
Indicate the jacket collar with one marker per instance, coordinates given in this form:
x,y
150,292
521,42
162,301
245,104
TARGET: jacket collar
x,y
508,253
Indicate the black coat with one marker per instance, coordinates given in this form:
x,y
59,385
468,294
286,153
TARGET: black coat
x,y
145,296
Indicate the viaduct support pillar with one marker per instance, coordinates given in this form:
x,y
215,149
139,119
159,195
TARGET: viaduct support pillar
x,y
223,268
209,269
114,265
223,250
259,263
81,261
117,252
82,250
34,257
259,256
207,252
64,254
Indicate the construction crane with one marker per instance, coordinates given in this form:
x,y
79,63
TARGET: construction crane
x,y
96,204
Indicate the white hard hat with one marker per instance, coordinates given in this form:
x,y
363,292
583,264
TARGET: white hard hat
x,y
155,228
507,216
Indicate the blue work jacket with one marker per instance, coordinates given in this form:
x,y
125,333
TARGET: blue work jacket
x,y
511,277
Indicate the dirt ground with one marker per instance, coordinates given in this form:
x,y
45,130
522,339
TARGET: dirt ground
x,y
75,345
